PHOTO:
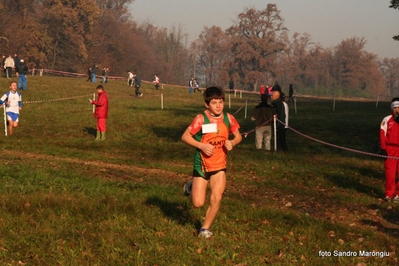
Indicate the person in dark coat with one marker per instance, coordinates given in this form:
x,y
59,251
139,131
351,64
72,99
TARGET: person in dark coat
x,y
280,111
22,71
276,87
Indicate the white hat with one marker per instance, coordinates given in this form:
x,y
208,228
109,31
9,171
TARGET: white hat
x,y
22,61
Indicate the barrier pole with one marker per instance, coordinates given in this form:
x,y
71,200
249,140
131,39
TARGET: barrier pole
x,y
94,98
162,101
246,108
334,104
376,104
295,103
229,102
275,132
5,120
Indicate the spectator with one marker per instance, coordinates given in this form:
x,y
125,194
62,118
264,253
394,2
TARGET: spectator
x,y
130,79
276,87
196,85
94,73
137,84
156,82
263,115
280,112
290,93
190,86
101,112
389,143
22,71
231,85
286,111
9,64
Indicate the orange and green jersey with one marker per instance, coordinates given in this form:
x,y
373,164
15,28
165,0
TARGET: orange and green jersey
x,y
218,160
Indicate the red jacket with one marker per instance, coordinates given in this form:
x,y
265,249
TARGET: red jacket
x,y
389,133
101,104
262,89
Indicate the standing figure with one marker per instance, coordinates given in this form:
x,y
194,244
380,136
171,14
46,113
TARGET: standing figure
x,y
106,74
3,65
94,70
9,65
276,87
231,85
290,93
101,112
22,70
262,90
13,104
263,115
269,92
156,82
130,79
17,61
89,74
286,111
209,134
103,75
137,84
278,104
389,143
196,85
190,86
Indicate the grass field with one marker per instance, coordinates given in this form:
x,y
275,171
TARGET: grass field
x,y
68,200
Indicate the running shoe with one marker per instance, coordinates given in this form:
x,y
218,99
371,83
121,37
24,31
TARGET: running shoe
x,y
205,233
187,188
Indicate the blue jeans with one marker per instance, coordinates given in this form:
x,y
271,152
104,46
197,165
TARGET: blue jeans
x,y
22,82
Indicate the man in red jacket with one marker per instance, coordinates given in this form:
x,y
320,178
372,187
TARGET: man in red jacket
x,y
101,112
389,142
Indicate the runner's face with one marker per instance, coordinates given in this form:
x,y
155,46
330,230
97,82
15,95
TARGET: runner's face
x,y
395,111
13,86
216,106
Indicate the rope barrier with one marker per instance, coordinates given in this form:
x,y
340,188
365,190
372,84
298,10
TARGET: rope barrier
x,y
340,147
59,99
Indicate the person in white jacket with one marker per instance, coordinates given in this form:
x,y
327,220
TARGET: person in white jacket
x,y
9,64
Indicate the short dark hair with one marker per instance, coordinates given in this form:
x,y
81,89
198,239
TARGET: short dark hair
x,y
395,99
213,93
263,97
100,87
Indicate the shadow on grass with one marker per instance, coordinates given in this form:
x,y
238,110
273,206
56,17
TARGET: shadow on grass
x,y
169,132
351,183
90,130
393,232
174,211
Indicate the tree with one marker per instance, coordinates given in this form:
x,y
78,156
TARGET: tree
x,y
211,53
67,29
389,67
355,68
255,42
395,5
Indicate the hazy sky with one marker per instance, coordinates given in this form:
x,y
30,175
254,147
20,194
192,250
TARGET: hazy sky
x,y
328,22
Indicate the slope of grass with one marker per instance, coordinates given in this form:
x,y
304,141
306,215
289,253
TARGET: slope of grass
x,y
67,200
